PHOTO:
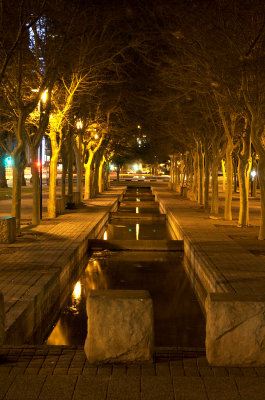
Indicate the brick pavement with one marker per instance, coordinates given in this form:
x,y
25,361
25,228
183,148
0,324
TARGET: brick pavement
x,y
61,372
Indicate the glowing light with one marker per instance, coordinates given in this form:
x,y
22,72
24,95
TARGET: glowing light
x,y
253,173
38,163
79,124
135,167
139,126
137,199
8,161
96,136
44,96
137,231
77,291
105,236
112,167
137,210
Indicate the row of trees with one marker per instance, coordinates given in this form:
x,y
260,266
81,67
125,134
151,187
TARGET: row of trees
x,y
207,95
60,68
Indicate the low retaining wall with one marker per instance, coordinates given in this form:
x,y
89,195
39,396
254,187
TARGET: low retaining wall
x,y
235,324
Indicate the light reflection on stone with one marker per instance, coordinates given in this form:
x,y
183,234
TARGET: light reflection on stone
x,y
58,337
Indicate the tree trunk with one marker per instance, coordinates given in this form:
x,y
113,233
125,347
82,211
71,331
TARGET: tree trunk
x,y
200,173
229,183
79,168
206,179
224,175
195,178
100,175
88,174
261,171
18,156
235,170
52,187
244,167
3,181
16,194
64,172
215,198
70,166
35,186
243,179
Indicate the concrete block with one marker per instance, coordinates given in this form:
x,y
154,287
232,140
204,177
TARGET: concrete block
x,y
7,229
2,319
119,326
235,329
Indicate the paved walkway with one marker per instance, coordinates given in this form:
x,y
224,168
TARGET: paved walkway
x,y
61,372
234,257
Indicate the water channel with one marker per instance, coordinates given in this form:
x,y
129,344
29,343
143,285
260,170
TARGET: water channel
x,y
178,319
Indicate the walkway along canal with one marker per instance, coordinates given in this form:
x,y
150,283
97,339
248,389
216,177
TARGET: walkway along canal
x,y
136,251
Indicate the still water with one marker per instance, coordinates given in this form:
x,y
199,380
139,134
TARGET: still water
x,y
177,315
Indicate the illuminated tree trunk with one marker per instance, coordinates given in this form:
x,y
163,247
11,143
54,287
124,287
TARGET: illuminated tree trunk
x,y
215,197
79,166
88,174
100,175
53,173
244,167
229,182
224,175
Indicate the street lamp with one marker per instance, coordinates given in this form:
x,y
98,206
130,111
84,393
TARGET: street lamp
x,y
253,174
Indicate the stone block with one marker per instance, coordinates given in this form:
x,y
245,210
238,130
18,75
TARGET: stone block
x,y
7,229
2,319
235,329
119,326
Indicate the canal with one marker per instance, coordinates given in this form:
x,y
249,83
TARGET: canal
x,y
139,227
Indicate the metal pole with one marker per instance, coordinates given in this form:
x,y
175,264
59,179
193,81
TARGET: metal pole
x,y
41,179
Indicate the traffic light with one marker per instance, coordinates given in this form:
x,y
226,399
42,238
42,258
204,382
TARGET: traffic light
x,y
8,161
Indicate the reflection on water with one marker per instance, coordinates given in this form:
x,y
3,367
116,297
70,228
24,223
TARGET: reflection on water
x,y
178,318
137,231
177,315
152,230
